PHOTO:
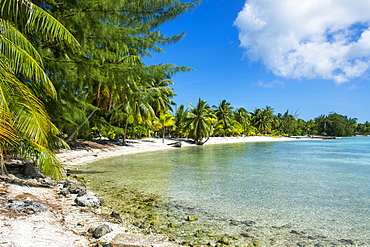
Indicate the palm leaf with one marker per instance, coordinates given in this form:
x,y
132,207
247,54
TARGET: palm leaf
x,y
23,63
35,20
13,34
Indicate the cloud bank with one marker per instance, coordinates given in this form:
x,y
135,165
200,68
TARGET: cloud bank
x,y
314,39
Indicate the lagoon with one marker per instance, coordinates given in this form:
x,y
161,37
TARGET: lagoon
x,y
272,193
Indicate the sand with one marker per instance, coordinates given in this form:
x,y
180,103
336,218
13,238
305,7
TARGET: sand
x,y
65,224
72,158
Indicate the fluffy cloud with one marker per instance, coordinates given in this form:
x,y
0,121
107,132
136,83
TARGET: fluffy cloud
x,y
326,39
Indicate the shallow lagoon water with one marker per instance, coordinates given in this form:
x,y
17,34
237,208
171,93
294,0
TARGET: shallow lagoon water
x,y
288,190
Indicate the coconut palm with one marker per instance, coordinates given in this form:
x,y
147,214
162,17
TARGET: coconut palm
x,y
180,120
23,81
136,109
224,114
264,120
242,116
165,119
199,122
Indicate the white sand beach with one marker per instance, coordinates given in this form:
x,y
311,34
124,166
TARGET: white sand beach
x,y
74,157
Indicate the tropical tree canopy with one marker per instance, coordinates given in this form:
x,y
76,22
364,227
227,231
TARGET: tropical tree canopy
x,y
23,81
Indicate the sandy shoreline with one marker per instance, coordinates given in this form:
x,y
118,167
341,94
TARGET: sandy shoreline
x,y
71,158
66,224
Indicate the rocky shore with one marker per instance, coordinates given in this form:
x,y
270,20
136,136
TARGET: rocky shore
x,y
36,211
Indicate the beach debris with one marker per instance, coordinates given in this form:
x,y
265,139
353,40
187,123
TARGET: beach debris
x,y
28,207
88,201
175,144
100,230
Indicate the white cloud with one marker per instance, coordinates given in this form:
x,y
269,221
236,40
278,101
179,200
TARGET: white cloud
x,y
272,84
326,39
355,87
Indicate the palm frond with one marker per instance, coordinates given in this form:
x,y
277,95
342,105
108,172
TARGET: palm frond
x,y
33,19
13,34
23,63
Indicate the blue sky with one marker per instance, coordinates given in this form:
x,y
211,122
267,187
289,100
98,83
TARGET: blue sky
x,y
310,58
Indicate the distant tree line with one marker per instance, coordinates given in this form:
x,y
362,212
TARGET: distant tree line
x,y
201,121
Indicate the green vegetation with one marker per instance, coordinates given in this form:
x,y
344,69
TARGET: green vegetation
x,y
73,69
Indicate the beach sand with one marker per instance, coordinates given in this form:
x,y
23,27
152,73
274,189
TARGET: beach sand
x,y
75,157
64,223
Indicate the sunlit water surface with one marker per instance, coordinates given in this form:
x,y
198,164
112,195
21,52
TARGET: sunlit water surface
x,y
320,186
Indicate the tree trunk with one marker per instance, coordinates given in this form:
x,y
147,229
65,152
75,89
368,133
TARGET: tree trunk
x,y
125,134
163,134
2,164
73,133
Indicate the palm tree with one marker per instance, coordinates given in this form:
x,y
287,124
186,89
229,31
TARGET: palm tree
x,y
23,80
264,120
224,113
242,116
137,110
180,120
165,120
199,122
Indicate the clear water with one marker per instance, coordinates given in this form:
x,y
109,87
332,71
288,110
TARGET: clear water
x,y
320,187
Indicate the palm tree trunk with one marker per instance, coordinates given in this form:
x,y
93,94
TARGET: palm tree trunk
x,y
2,164
125,134
163,134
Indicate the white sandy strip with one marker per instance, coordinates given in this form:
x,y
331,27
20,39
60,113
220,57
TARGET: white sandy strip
x,y
71,158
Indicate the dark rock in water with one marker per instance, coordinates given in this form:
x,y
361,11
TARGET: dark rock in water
x,y
246,235
26,206
224,240
296,232
123,239
88,201
347,241
32,171
100,230
75,187
191,218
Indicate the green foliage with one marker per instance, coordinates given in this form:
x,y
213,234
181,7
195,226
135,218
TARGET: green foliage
x,y
199,121
114,36
335,125
29,133
224,114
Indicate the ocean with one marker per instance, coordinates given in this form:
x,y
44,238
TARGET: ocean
x,y
310,193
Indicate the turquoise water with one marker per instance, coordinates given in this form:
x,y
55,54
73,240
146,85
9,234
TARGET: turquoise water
x,y
288,191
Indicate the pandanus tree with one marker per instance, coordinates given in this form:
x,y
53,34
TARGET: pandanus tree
x,y
26,129
199,122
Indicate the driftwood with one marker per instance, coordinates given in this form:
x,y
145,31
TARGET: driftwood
x,y
200,142
175,144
